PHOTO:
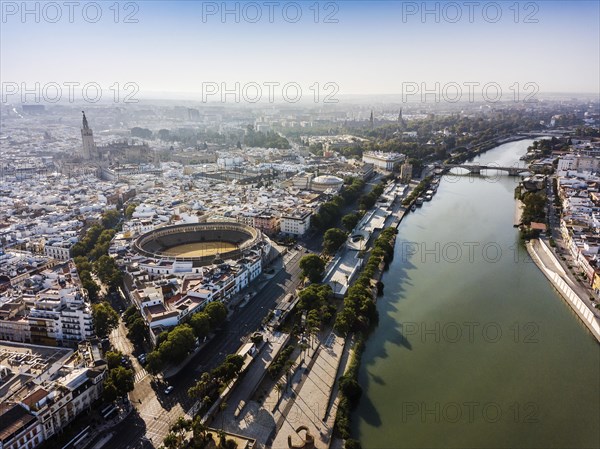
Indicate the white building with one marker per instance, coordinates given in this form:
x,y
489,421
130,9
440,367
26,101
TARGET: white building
x,y
59,250
44,405
383,161
325,183
58,403
57,311
205,285
295,223
60,315
579,163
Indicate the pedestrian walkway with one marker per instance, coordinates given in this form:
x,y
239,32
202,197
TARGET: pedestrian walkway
x,y
310,399
140,375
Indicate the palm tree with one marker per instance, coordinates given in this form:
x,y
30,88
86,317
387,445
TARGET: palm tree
x,y
289,366
180,429
303,347
170,441
201,388
279,389
199,429
222,408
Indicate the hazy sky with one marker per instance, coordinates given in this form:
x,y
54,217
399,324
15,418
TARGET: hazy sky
x,y
373,48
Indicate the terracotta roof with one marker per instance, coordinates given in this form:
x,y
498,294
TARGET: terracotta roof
x,y
173,299
35,397
13,417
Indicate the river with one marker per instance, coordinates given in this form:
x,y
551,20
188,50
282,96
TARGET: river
x,y
474,348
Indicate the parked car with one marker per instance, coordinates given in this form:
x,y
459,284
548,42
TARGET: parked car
x,y
169,389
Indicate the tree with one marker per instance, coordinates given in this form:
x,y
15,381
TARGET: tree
x,y
107,270
113,359
350,388
130,315
110,218
278,389
313,267
289,369
137,332
123,380
130,210
227,443
217,314
344,321
199,431
313,324
202,387
222,406
154,362
170,441
160,338
333,239
88,283
535,204
180,428
82,263
316,297
105,318
78,250
200,323
352,444
110,392
236,360
164,134
143,133
350,221
179,343
229,369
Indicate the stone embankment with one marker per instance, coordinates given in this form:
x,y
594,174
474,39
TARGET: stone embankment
x,y
546,261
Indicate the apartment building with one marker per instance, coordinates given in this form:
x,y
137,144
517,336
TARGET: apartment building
x,y
48,399
54,310
19,429
295,222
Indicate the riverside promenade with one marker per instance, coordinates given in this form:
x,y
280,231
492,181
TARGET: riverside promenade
x,y
309,399
313,399
572,292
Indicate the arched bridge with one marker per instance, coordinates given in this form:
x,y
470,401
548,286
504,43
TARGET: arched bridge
x,y
476,169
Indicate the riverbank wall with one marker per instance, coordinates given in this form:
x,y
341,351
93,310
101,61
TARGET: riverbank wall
x,y
535,247
519,207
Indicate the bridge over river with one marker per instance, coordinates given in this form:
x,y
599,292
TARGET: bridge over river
x,y
477,168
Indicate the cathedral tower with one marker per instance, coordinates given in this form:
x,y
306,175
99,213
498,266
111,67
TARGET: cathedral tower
x,y
89,147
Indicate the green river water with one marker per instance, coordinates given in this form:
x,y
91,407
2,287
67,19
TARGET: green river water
x,y
474,348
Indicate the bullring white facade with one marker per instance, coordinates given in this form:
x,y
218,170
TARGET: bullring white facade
x,y
168,288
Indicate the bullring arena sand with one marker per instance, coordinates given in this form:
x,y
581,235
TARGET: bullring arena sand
x,y
199,249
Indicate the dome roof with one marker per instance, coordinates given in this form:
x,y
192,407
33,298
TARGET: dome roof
x,y
328,179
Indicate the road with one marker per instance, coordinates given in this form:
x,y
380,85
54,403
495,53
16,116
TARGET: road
x,y
157,411
569,265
